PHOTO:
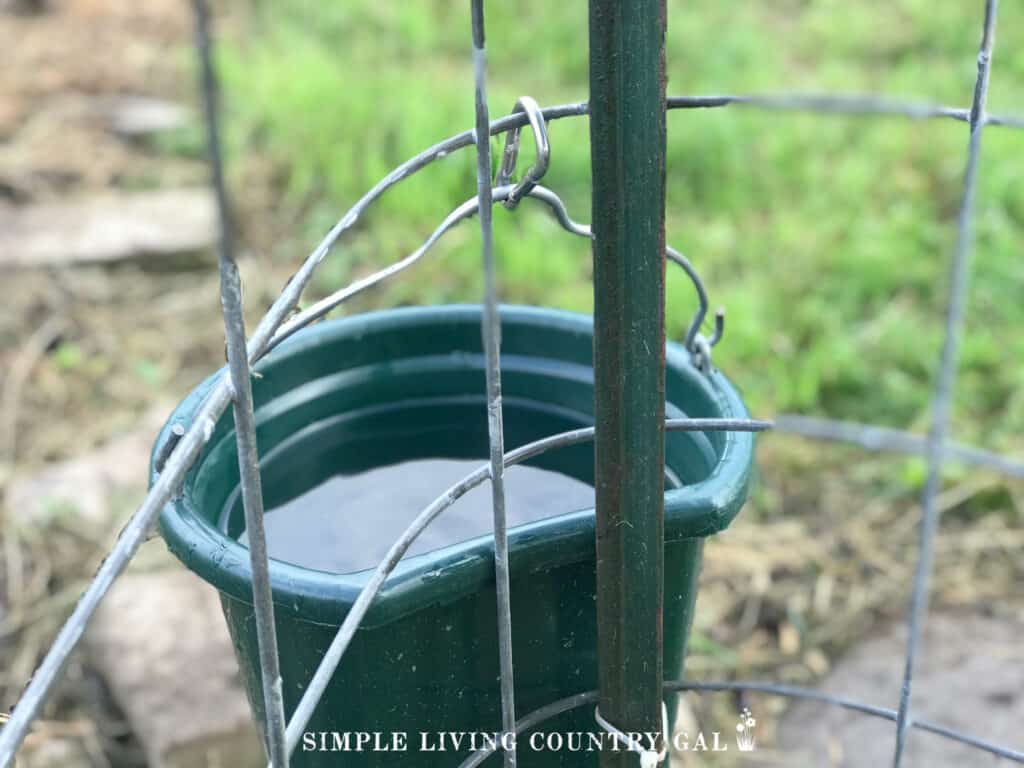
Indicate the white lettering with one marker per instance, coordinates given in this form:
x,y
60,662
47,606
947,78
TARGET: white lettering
x,y
425,744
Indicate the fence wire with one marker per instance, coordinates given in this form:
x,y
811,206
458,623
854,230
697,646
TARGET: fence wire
x,y
490,329
234,388
244,416
942,401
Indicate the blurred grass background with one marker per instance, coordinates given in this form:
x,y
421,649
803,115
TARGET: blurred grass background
x,y
826,238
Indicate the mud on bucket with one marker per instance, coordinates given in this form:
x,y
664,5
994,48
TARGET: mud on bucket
x,y
352,396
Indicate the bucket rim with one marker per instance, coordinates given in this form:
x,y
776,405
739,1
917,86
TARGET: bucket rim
x,y
447,574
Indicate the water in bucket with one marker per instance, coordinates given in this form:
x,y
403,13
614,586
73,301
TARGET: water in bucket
x,y
348,522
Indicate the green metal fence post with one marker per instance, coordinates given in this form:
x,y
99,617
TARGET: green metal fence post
x,y
627,133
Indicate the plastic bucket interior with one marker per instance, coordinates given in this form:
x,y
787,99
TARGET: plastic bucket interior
x,y
377,389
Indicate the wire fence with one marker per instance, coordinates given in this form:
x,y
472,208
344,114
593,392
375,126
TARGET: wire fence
x,y
281,321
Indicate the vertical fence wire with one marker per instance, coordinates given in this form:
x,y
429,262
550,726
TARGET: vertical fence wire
x,y
942,401
491,333
245,420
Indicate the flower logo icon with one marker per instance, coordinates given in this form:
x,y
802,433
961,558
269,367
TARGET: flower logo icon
x,y
745,738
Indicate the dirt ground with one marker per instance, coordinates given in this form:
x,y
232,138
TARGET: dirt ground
x,y
86,350
60,66
126,333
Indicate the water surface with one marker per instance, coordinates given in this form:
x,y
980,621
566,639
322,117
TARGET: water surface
x,y
349,522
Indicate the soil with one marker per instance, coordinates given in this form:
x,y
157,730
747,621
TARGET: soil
x,y
84,350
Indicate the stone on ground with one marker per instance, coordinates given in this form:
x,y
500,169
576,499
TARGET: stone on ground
x,y
140,116
969,677
96,486
60,752
158,640
108,227
160,643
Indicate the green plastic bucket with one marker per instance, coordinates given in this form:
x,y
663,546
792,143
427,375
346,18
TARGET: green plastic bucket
x,y
368,391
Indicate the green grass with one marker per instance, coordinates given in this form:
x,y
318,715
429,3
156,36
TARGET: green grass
x,y
826,238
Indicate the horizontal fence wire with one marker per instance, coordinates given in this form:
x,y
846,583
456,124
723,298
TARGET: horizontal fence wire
x,y
569,703
873,438
279,323
850,104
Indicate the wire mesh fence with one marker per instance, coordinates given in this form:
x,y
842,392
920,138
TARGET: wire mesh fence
x,y
186,442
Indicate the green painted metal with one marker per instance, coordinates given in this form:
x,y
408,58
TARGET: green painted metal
x,y
627,135
372,390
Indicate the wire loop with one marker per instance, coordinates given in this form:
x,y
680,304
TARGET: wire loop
x,y
700,346
510,156
649,758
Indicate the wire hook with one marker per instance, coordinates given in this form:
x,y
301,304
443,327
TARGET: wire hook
x,y
700,346
649,758
696,343
511,154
